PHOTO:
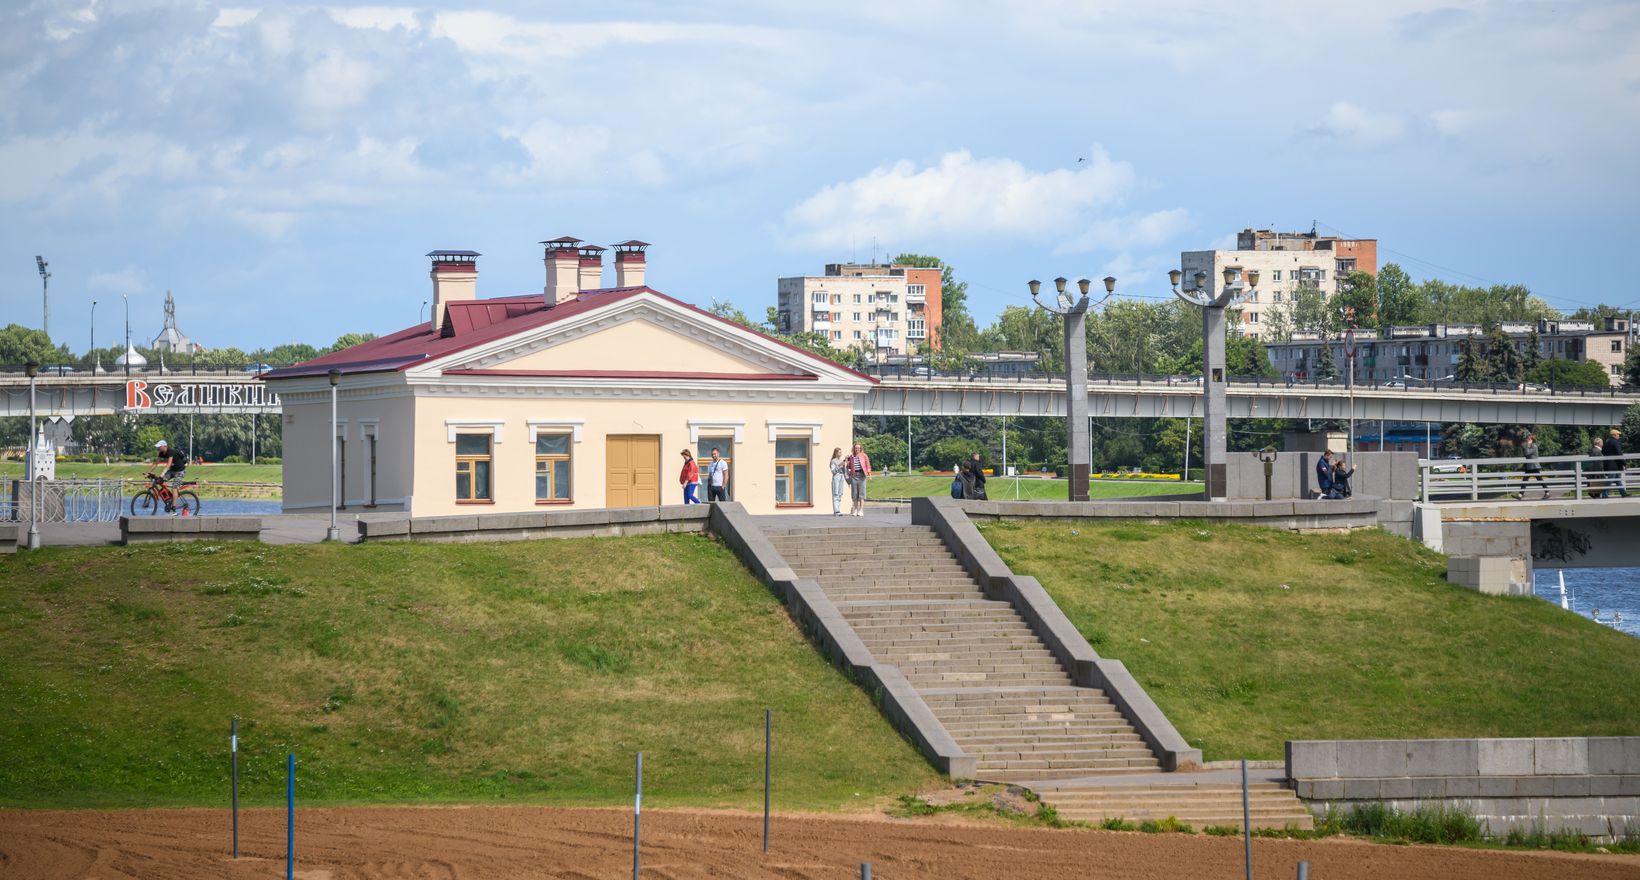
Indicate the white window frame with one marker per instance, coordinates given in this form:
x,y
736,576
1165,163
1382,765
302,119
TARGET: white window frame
x,y
716,428
795,427
554,426
452,427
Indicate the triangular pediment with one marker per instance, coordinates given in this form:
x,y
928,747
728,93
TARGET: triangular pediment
x,y
644,335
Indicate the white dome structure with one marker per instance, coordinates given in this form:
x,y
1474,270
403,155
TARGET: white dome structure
x,y
131,358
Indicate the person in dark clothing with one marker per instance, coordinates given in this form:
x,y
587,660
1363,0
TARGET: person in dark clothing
x,y
1533,470
1341,474
1614,464
965,473
1324,475
977,468
176,466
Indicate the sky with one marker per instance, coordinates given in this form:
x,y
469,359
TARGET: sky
x,y
283,169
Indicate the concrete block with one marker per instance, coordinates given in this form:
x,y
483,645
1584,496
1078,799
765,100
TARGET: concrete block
x,y
427,525
1561,756
1396,788
1442,757
1506,757
1571,786
683,512
384,528
489,521
1480,787
1361,789
632,514
1312,759
1614,754
1427,787
1534,786
1359,759
1327,789
1607,786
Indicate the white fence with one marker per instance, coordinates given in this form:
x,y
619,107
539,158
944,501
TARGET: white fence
x,y
62,501
1500,479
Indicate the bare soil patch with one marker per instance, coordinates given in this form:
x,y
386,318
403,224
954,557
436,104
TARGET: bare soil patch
x,y
537,842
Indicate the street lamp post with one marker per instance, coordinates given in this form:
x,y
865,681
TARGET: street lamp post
x,y
333,533
33,371
127,355
1215,445
45,294
96,366
1075,313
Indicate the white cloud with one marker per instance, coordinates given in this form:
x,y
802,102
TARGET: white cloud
x,y
1129,232
127,280
959,197
1452,123
1357,126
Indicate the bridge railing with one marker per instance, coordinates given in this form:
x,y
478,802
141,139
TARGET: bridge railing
x,y
62,501
80,371
1508,479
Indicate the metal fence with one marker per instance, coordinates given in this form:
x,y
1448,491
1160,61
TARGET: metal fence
x,y
1500,479
62,501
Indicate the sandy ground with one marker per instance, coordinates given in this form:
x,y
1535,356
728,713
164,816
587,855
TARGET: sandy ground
x,y
525,842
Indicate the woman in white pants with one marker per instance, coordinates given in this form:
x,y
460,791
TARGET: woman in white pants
x,y
839,480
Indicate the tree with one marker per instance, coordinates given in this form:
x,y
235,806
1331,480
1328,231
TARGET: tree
x,y
348,340
1471,362
1557,373
19,345
1400,302
1533,354
1358,298
1325,366
1631,367
1026,328
887,451
1502,360
1310,312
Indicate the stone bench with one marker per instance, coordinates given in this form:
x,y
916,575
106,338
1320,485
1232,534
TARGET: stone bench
x,y
539,524
144,529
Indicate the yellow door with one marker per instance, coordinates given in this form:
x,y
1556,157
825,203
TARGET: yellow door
x,y
633,477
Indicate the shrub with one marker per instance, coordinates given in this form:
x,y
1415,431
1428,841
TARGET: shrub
x,y
1429,823
1117,823
1170,825
233,459
1222,831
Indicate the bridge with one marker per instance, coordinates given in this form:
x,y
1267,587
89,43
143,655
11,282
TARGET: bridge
x,y
206,390
1248,398
1571,513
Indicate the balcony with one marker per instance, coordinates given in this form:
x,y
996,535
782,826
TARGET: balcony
x,y
821,325
916,330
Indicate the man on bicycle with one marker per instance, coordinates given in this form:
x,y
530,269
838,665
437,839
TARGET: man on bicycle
x,y
176,465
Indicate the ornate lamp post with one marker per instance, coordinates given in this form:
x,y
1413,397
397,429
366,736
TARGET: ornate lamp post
x,y
1215,448
1075,313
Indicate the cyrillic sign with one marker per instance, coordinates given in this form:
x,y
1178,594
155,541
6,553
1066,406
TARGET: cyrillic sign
x,y
140,396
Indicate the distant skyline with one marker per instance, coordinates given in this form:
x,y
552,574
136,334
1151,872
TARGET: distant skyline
x,y
282,168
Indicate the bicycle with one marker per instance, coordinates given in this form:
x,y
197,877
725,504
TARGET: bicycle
x,y
153,499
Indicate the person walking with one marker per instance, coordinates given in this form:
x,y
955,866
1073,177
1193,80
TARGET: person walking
x,y
859,470
1614,464
839,480
977,465
965,473
1594,474
690,478
959,489
1533,470
717,477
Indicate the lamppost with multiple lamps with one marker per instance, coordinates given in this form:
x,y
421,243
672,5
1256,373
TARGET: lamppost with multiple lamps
x,y
1075,313
33,370
1215,444
333,533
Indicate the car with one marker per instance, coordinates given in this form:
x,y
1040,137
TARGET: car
x,y
259,368
1394,383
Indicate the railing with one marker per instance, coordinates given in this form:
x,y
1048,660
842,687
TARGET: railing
x,y
62,501
90,370
1503,479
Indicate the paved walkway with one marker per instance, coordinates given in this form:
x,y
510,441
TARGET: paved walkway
x,y
279,528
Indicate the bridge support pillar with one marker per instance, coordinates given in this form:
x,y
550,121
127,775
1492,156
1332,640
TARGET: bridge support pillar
x,y
1215,445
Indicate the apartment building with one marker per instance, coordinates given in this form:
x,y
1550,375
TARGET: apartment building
x,y
1430,352
1284,260
880,309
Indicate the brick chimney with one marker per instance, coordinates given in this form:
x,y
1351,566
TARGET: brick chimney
x,y
629,263
563,260
455,278
592,267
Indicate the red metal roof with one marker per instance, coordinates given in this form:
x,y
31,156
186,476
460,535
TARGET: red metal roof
x,y
475,322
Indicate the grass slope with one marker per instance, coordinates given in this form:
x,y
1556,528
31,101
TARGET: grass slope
x,y
1366,640
1002,488
398,672
232,473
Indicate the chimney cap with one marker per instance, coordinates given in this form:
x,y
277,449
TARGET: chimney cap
x,y
454,254
563,241
632,244
591,249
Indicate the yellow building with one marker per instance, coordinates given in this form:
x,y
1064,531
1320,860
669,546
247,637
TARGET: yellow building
x,y
579,397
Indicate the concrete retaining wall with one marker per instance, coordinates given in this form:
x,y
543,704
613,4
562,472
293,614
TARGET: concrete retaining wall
x,y
813,610
1087,669
1589,785
1298,516
539,524
147,529
1378,474
10,536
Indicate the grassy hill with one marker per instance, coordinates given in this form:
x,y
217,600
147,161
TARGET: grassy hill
x,y
1029,489
1247,637
398,672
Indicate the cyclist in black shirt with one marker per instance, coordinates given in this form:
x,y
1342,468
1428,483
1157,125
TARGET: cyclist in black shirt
x,y
176,465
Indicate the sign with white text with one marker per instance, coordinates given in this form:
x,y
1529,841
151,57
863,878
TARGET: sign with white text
x,y
157,397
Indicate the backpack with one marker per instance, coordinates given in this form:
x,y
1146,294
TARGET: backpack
x,y
956,487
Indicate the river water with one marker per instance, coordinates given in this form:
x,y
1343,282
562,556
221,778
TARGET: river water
x,y
1609,595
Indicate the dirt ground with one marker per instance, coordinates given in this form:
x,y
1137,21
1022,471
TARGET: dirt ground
x,y
535,842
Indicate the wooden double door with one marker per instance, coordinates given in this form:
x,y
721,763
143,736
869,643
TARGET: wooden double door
x,y
632,475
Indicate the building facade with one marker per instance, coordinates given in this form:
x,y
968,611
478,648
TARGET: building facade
x,y
1284,261
881,310
1430,352
582,396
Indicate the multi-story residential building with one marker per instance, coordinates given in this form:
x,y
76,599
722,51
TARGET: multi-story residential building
x,y
881,309
1284,260
1430,352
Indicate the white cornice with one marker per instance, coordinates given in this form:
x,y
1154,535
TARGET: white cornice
x,y
600,389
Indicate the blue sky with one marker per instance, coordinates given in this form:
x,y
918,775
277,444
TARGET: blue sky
x,y
283,168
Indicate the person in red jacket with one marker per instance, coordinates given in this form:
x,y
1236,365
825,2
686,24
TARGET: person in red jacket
x,y
690,478
859,468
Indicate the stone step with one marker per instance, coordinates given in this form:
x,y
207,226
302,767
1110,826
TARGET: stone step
x,y
1024,768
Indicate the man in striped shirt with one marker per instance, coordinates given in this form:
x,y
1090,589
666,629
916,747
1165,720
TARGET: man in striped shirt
x,y
859,468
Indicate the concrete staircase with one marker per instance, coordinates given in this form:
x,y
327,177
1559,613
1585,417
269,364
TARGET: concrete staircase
x,y
993,684
1212,799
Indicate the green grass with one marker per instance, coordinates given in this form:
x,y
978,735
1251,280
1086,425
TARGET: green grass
x,y
1247,637
232,473
529,671
1035,489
